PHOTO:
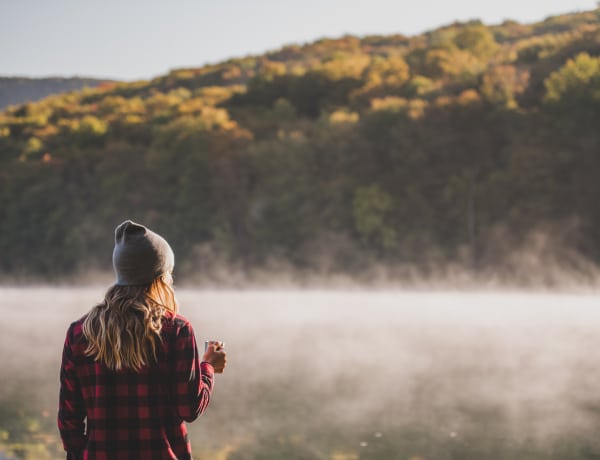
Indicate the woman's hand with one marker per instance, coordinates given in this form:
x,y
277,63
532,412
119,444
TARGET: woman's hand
x,y
216,356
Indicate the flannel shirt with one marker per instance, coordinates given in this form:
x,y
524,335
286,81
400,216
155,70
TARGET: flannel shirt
x,y
127,415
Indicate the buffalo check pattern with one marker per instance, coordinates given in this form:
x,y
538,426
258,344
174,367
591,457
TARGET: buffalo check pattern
x,y
128,415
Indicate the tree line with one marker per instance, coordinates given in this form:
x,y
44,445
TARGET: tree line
x,y
463,146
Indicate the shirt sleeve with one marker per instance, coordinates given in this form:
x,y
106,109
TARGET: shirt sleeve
x,y
71,411
192,380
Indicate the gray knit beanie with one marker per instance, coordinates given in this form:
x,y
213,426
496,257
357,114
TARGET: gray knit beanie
x,y
140,255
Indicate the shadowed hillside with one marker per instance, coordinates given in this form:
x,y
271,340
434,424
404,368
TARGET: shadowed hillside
x,y
468,148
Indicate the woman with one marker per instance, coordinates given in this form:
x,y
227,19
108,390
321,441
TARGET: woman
x,y
131,373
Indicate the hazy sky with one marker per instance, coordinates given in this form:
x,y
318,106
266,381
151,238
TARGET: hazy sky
x,y
134,39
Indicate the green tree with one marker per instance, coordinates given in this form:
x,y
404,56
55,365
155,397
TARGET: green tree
x,y
477,39
577,82
371,208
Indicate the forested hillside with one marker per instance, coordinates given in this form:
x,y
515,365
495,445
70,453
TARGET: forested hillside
x,y
470,146
19,90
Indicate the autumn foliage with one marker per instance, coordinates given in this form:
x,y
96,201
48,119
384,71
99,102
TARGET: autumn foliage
x,y
454,147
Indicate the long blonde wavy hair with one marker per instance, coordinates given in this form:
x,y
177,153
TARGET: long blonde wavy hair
x,y
123,332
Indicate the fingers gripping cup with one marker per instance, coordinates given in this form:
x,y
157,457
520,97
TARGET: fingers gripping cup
x,y
215,355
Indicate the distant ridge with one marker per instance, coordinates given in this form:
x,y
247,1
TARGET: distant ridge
x,y
19,90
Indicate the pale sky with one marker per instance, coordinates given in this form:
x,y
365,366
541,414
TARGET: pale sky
x,y
140,39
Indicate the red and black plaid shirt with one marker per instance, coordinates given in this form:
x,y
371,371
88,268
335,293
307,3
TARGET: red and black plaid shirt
x,y
114,415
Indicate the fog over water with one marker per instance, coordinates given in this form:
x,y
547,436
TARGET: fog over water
x,y
361,374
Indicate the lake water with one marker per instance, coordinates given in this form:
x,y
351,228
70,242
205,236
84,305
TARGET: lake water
x,y
349,375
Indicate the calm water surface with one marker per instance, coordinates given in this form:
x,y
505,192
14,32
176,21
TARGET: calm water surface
x,y
355,372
